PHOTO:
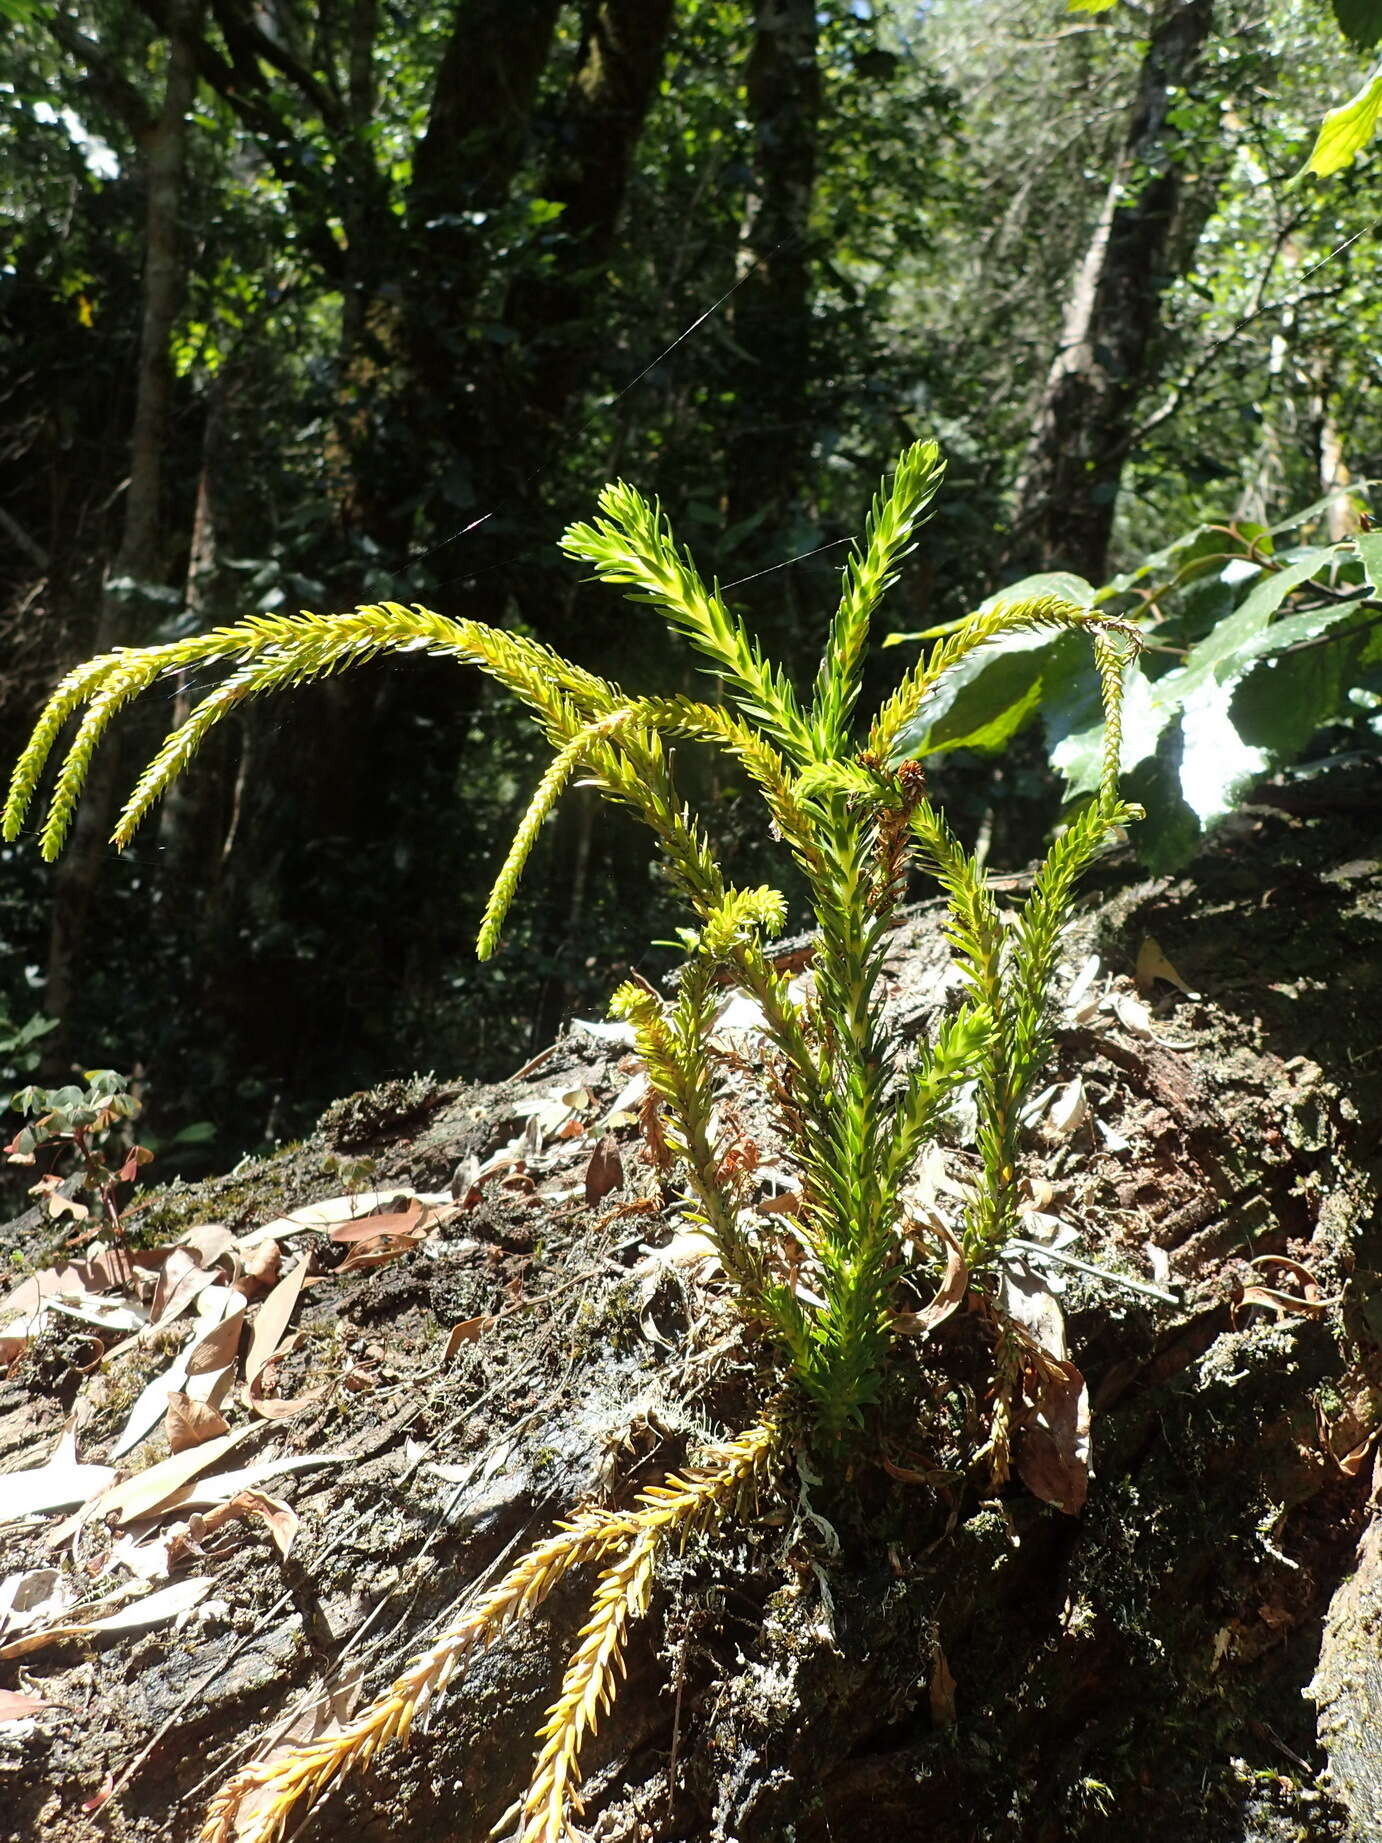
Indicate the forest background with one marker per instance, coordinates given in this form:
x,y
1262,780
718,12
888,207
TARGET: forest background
x,y
326,301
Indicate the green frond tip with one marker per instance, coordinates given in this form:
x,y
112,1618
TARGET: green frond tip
x,y
631,545
871,571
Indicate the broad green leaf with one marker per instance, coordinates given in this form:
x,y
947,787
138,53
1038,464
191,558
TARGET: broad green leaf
x,y
1285,697
1316,506
1230,644
991,695
1360,21
1369,545
1216,765
1346,131
1065,583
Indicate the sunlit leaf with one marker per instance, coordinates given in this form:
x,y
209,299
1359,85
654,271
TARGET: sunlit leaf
x,y
1346,131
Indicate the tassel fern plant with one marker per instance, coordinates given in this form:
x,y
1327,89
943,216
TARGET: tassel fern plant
x,y
856,1104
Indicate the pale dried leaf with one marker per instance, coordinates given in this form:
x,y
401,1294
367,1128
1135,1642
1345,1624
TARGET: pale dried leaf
x,y
1132,1014
15,1705
142,1615
57,1484
271,1320
1152,965
1053,1449
1025,1296
1081,1001
1069,1110
222,1486
35,1596
157,1485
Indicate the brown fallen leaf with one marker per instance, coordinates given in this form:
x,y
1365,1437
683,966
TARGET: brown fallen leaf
x,y
398,1222
942,1692
605,1172
271,1407
949,1294
190,1423
15,1705
272,1318
1052,1453
465,1333
282,1520
148,1491
100,1795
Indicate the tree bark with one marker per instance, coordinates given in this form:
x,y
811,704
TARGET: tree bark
x,y
477,134
123,615
593,145
1107,357
772,309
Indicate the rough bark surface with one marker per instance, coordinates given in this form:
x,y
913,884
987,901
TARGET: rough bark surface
x,y
891,1652
1107,361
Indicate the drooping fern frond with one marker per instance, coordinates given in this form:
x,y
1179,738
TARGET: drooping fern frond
x,y
256,1803
727,1477
989,624
271,653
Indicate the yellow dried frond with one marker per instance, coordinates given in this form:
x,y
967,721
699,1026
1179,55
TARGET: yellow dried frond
x,y
667,1513
277,1787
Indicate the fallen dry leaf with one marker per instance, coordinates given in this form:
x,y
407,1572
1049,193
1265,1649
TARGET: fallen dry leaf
x,y
272,1318
153,1488
282,1521
605,1172
942,1692
1152,965
948,1295
16,1706
1069,1110
465,1333
58,1484
100,1795
1052,1454
36,1596
191,1423
153,1609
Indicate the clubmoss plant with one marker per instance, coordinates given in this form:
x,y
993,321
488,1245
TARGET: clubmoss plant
x,y
855,1103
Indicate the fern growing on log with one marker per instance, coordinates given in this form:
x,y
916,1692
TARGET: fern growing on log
x,y
855,1105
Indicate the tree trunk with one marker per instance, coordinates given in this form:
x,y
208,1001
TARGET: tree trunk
x,y
478,132
127,604
555,312
1107,359
771,441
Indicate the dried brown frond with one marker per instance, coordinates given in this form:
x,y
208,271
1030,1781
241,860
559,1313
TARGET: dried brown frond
x,y
666,1513
275,1787
255,1804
